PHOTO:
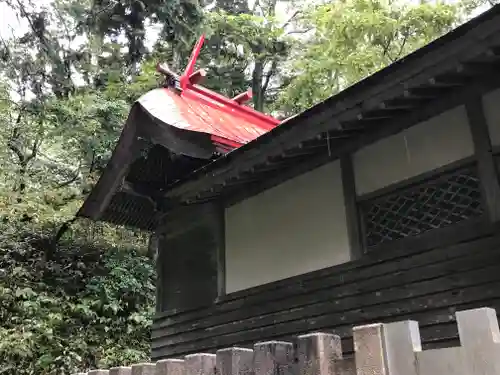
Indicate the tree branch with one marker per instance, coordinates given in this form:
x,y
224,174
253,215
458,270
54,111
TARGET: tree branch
x,y
271,8
402,46
270,73
255,6
385,48
295,14
70,181
38,140
15,137
52,55
32,26
16,150
68,34
303,31
34,149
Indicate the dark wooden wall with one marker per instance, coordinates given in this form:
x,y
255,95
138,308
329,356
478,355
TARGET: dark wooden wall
x,y
188,258
426,279
423,274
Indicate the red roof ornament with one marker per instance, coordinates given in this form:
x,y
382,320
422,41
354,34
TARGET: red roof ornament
x,y
185,104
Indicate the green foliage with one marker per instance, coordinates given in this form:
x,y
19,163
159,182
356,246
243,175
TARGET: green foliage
x,y
244,50
351,39
91,306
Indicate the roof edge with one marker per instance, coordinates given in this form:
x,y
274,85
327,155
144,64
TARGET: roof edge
x,y
466,41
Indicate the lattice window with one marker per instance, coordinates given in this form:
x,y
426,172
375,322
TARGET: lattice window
x,y
435,203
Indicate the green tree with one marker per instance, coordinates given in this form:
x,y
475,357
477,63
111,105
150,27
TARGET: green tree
x,y
63,105
245,50
89,307
351,39
177,21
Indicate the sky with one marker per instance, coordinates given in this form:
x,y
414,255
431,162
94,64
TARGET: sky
x,y
8,20
10,23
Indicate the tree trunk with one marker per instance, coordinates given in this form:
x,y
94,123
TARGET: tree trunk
x,y
23,168
258,94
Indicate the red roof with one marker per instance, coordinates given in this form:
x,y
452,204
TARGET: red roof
x,y
226,123
192,107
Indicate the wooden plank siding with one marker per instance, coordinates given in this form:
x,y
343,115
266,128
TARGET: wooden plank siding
x,y
353,219
419,281
425,272
190,258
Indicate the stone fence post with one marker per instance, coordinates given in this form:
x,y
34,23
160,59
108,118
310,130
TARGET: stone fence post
x,y
379,349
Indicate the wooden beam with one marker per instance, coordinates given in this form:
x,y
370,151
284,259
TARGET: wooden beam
x,y
425,92
160,274
384,113
452,80
296,152
219,228
253,177
488,174
123,156
418,179
351,207
181,219
404,103
474,68
388,128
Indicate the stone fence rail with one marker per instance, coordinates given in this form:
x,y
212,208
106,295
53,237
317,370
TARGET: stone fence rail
x,y
380,349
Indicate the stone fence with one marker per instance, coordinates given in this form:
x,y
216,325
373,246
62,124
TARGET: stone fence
x,y
380,349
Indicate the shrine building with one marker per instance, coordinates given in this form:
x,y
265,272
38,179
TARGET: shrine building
x,y
381,203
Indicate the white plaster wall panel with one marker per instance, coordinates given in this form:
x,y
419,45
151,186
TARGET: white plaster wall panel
x,y
440,141
296,227
491,103
428,145
380,164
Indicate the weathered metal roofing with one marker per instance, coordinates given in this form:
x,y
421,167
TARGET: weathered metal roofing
x,y
192,110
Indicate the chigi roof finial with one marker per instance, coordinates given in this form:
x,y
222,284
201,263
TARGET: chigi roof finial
x,y
228,120
190,77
